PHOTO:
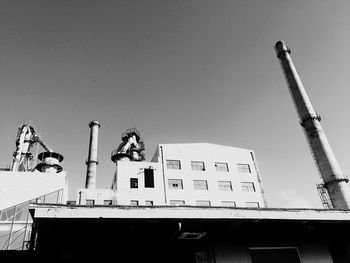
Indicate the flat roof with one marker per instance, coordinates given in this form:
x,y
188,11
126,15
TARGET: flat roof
x,y
54,211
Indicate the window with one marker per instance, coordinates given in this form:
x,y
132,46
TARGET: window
x,y
221,167
197,166
248,186
149,178
175,183
275,255
200,184
173,164
225,185
134,183
71,202
107,202
202,203
149,203
252,204
90,202
177,202
134,202
228,203
243,168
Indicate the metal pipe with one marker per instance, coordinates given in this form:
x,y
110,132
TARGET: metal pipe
x,y
21,146
328,167
45,146
92,161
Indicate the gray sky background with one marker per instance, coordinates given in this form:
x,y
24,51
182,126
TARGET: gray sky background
x,y
180,71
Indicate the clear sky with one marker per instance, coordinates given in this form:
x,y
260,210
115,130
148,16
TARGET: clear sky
x,y
180,71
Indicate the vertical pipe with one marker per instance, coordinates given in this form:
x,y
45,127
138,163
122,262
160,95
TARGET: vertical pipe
x,y
92,161
329,169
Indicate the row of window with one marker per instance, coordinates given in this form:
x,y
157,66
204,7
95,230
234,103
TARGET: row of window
x,y
203,185
198,185
177,202
199,166
92,202
207,203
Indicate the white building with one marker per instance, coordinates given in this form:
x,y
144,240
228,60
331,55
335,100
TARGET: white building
x,y
194,174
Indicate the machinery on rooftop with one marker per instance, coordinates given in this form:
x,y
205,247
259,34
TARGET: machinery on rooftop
x,y
25,156
131,149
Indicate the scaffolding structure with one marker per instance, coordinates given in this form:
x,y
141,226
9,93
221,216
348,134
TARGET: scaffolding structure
x,y
323,192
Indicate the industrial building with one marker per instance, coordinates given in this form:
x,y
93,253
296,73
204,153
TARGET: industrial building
x,y
199,174
195,202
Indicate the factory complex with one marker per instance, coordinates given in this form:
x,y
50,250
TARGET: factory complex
x,y
192,202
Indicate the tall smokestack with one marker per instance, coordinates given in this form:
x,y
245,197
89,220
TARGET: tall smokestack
x,y
92,161
334,180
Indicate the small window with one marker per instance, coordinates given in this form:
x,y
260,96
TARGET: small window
x,y
202,203
134,183
200,184
252,204
248,187
228,203
243,168
71,202
107,202
221,167
149,203
225,186
175,183
173,164
197,166
275,255
177,202
90,202
134,202
149,178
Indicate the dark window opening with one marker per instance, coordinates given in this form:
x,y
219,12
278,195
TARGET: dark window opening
x,y
149,178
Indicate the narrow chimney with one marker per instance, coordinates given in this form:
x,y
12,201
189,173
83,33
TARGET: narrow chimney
x,y
334,180
92,161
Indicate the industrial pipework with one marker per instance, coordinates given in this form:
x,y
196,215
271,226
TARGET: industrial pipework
x,y
92,161
49,162
131,149
334,180
23,157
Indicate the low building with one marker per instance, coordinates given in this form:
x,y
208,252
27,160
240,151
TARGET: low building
x,y
189,234
17,191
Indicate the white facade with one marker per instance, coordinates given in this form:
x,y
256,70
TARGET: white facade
x,y
194,174
210,174
129,187
19,187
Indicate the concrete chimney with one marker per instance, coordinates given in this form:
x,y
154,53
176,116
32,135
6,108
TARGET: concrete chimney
x,y
334,180
92,161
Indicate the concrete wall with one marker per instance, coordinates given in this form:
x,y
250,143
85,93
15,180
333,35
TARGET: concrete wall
x,y
125,194
18,187
98,195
